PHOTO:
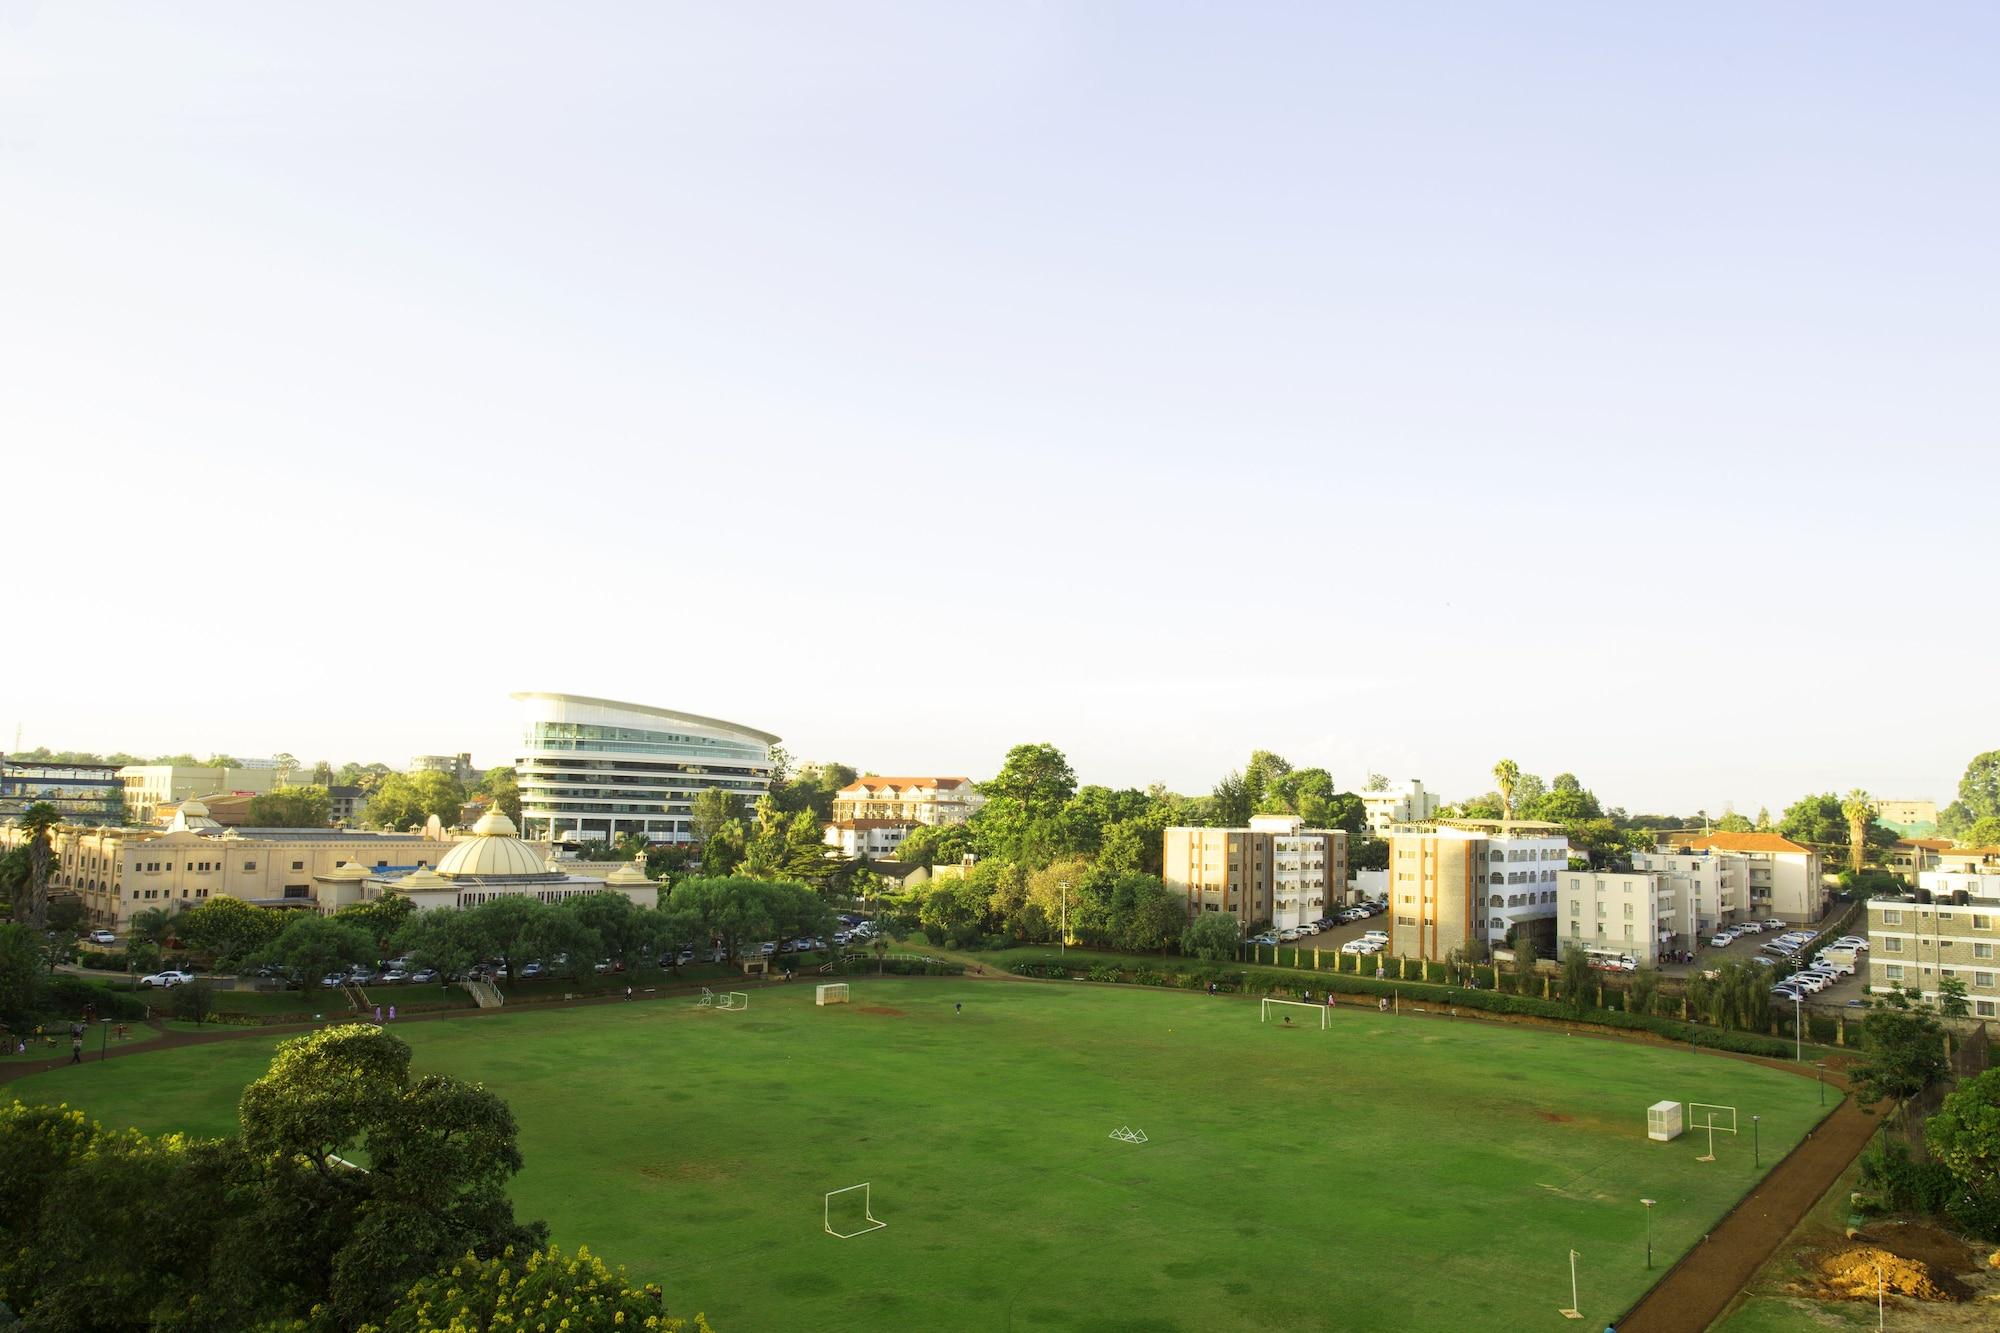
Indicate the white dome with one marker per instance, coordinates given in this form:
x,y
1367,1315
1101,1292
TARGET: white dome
x,y
492,850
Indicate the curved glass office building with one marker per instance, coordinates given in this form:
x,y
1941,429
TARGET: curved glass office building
x,y
591,769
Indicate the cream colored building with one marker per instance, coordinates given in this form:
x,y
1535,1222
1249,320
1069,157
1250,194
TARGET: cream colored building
x,y
493,862
1948,930
151,785
930,800
876,839
1672,898
1780,877
1912,819
1275,871
1462,884
117,872
1386,809
1911,857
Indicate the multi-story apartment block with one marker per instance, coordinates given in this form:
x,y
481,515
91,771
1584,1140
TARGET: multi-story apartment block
x,y
1386,809
876,839
1912,819
1275,871
119,871
591,769
150,785
459,766
1462,884
82,793
1781,878
344,804
1949,929
1672,898
931,800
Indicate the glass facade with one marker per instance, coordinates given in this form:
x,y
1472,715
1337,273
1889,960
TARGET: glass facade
x,y
592,781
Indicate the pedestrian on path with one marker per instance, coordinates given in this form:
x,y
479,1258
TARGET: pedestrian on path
x,y
76,1048
392,1013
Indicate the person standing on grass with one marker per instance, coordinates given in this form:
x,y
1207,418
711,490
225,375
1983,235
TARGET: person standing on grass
x,y
76,1048
392,1013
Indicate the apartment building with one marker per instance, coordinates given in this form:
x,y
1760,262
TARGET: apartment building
x,y
1410,805
1672,898
1462,884
1949,929
1781,878
1912,819
1275,871
148,786
116,872
83,793
921,800
876,839
1911,857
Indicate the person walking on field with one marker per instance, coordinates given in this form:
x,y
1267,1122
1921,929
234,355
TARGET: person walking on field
x,y
76,1048
628,995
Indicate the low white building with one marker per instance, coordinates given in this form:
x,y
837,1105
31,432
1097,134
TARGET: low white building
x,y
1635,913
492,862
876,839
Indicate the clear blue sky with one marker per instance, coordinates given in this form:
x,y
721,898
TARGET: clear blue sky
x,y
1395,387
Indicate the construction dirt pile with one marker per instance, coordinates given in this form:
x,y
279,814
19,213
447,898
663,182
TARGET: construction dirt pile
x,y
1854,1273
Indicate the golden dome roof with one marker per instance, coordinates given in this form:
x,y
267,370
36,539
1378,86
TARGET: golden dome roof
x,y
492,850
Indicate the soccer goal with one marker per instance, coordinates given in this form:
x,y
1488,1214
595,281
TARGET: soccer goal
x,y
732,1000
1714,1119
1127,1134
1268,1016
707,1000
861,1225
833,992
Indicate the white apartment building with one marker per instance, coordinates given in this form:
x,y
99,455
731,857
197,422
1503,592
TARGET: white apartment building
x,y
876,839
1411,805
1274,871
1948,930
1631,913
1464,883
921,800
1711,889
1780,877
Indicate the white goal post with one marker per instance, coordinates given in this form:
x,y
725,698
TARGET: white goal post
x,y
1127,1134
707,1000
730,1001
869,1220
833,992
1264,1011
1721,1119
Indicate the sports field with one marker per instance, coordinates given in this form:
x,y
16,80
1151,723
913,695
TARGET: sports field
x,y
1406,1172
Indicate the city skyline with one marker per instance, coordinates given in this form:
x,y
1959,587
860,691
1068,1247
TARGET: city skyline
x,y
1390,390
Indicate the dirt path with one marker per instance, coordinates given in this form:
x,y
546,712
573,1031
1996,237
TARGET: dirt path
x,y
1696,1291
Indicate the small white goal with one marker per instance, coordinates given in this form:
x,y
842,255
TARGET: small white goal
x,y
1127,1134
833,992
1714,1119
732,1000
1266,1016
707,1000
861,1225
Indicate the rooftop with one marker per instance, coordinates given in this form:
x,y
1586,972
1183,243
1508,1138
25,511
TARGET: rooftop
x,y
1747,842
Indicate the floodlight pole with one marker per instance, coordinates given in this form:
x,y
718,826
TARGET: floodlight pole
x,y
1798,1028
1878,1295
1820,1065
1649,1231
1062,941
1756,1158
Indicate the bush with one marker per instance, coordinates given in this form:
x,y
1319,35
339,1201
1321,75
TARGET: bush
x,y
68,996
1103,972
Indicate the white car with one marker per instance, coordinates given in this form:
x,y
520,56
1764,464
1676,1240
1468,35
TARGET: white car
x,y
1750,928
1379,936
170,977
103,937
1809,981
1854,942
1722,941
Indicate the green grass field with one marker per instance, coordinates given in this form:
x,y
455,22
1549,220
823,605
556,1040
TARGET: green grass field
x,y
1395,1173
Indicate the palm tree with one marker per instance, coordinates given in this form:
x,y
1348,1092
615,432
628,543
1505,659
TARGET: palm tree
x,y
1860,809
36,822
1507,774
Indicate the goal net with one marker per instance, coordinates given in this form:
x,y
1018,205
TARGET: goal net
x,y
850,1212
731,1000
832,993
707,1000
1272,1011
1127,1134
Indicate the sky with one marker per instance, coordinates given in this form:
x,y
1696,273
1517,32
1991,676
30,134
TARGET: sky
x,y
1393,387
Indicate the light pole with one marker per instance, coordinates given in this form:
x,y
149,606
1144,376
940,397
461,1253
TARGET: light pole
x,y
1062,943
103,1039
1798,1028
1649,1230
1878,1295
1820,1065
1756,1157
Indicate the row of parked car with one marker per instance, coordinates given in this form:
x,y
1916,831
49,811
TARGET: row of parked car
x,y
1358,912
1835,961
1728,935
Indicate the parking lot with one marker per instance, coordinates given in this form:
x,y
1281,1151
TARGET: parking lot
x,y
1333,937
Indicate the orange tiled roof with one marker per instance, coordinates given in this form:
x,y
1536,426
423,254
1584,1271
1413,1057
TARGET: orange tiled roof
x,y
872,781
1928,844
1747,842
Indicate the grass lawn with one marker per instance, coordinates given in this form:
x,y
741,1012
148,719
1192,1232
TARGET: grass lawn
x,y
1396,1173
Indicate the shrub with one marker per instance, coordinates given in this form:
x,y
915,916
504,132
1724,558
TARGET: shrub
x,y
68,996
1103,972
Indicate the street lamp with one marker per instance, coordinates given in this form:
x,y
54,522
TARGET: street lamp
x,y
1798,1028
1820,1065
1649,1230
103,1038
1756,1158
1062,942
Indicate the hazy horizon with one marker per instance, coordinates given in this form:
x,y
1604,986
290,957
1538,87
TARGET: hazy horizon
x,y
1394,390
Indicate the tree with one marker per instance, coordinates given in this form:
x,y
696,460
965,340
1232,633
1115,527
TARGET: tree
x,y
1376,782
1860,810
1734,823
951,909
322,774
65,916
1905,1051
1231,805
36,825
151,924
20,964
439,1154
617,926
1568,802
561,939
1644,990
505,928
1365,853
1260,773
1815,820
381,917
1213,937
540,1290
445,940
501,786
194,1001
713,807
310,947
1952,1001
733,910
1037,776
286,765
1964,1134
936,844
725,849
1155,917
1506,774
402,800
1575,978
1979,789
229,929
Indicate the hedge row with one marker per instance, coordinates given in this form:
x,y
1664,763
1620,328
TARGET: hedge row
x,y
1269,981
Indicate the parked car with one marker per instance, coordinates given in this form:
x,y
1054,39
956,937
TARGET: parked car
x,y
532,970
1381,935
1776,923
395,976
423,976
333,980
361,976
1749,928
1722,941
601,966
170,977
1265,938
103,937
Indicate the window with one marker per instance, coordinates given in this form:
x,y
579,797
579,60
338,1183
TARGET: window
x,y
1892,945
1895,971
1985,1008
298,865
249,865
1892,918
1982,922
1982,951
1983,980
